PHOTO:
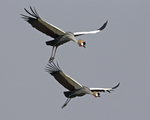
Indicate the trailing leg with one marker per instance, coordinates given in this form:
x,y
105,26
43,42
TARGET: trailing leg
x,y
51,58
67,101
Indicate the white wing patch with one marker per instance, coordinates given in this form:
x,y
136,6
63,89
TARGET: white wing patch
x,y
104,89
91,32
73,82
100,89
53,28
83,33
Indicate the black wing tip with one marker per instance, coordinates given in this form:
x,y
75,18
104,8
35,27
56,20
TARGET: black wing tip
x,y
116,86
33,12
104,25
113,88
108,91
52,68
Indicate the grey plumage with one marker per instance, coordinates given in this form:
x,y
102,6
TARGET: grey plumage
x,y
75,89
60,37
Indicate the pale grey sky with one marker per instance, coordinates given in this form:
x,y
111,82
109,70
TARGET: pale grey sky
x,y
120,53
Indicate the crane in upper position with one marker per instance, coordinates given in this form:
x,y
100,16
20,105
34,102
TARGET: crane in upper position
x,y
60,37
75,89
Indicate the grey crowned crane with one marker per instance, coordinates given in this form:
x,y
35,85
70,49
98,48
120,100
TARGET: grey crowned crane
x,y
60,36
75,89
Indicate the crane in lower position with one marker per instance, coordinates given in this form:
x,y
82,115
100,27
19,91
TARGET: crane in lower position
x,y
60,36
75,89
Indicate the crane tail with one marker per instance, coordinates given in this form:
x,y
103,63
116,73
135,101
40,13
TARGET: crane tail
x,y
51,43
67,93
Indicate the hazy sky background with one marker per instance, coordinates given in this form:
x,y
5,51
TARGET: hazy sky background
x,y
120,53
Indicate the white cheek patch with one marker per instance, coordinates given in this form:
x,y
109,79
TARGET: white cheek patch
x,y
81,44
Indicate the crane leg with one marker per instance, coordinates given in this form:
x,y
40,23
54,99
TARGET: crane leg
x,y
55,52
51,58
67,101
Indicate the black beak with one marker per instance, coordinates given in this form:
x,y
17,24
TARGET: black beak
x,y
84,43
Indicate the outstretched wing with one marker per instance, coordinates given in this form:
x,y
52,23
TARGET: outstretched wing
x,y
91,32
104,89
61,77
42,25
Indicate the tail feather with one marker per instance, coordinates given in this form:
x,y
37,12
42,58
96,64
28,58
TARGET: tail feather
x,y
67,93
50,42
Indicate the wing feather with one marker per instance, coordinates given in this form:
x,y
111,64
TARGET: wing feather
x,y
42,25
91,32
104,89
61,77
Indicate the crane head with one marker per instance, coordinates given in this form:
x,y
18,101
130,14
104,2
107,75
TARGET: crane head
x,y
96,94
81,43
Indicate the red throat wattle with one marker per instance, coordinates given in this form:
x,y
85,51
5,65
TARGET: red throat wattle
x,y
79,45
95,96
